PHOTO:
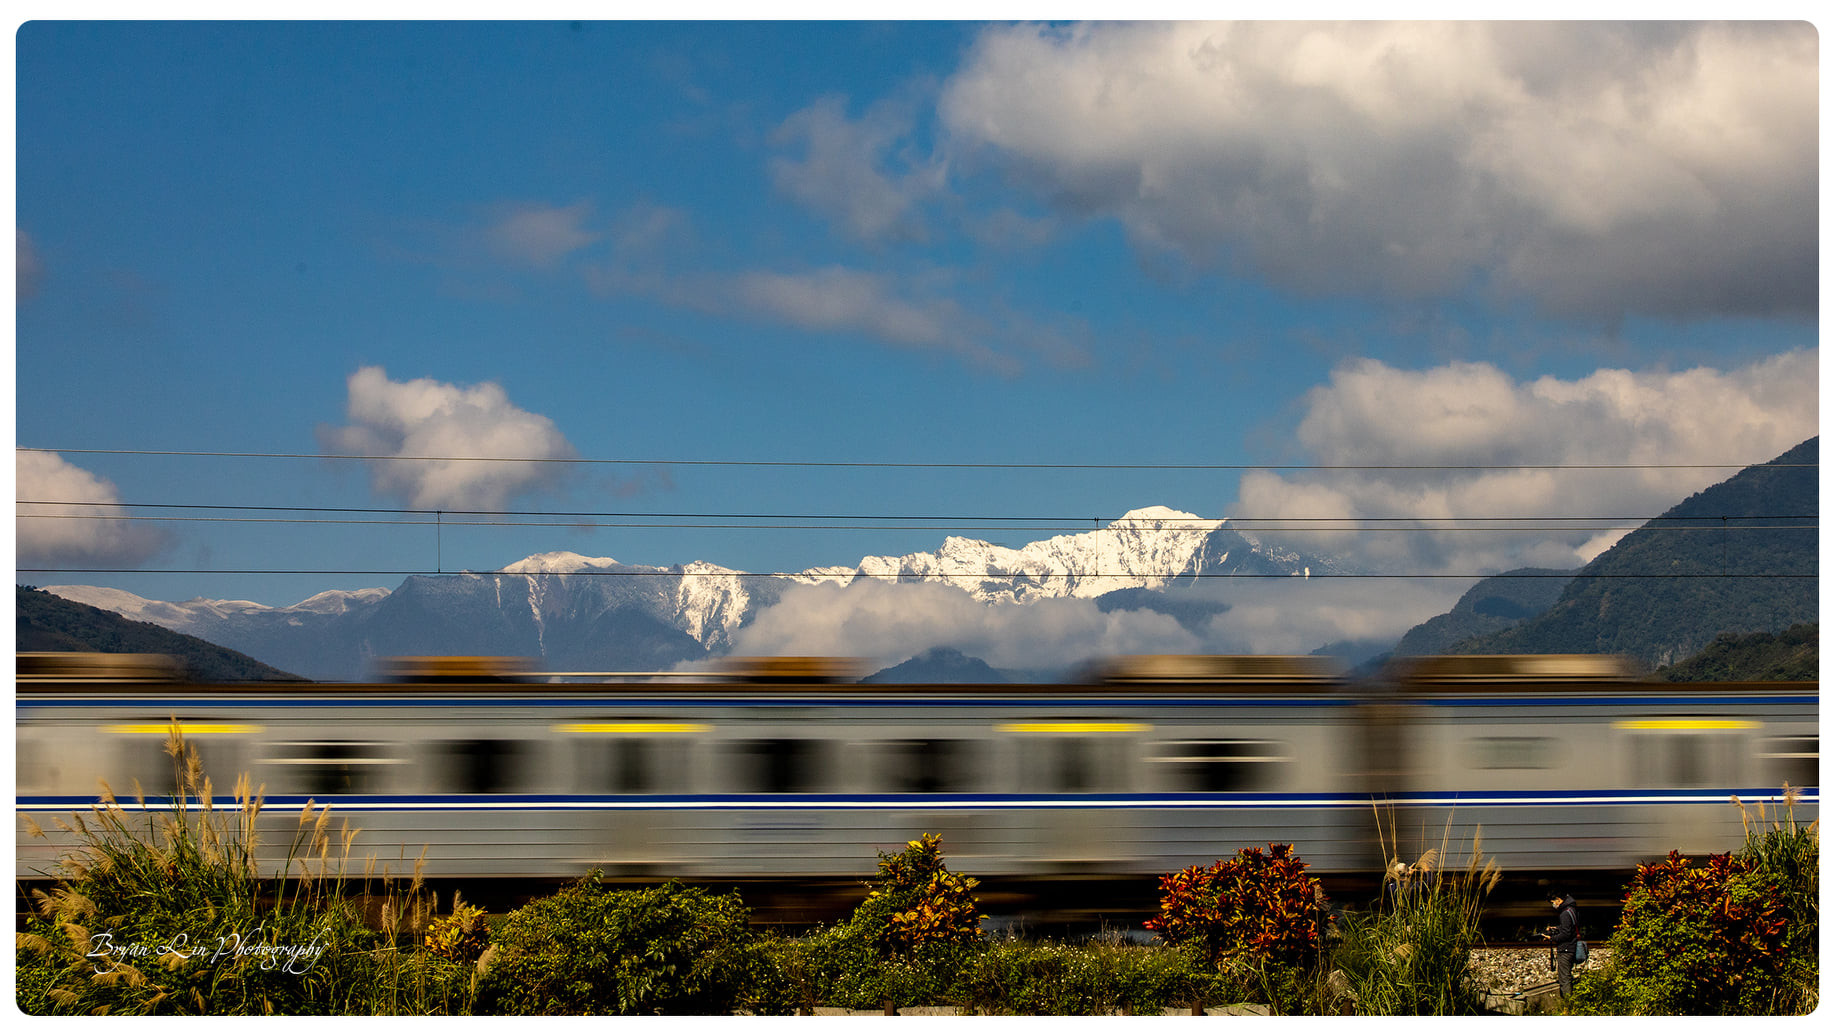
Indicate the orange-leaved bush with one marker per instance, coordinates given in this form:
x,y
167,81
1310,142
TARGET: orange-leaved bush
x,y
1250,907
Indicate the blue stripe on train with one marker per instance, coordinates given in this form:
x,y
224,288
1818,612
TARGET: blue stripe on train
x,y
819,802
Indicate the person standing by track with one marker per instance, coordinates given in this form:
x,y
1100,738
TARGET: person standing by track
x,y
1563,938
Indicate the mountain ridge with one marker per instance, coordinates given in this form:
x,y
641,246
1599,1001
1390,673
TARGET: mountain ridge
x,y
642,617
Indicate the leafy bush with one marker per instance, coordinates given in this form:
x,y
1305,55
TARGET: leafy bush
x,y
919,901
1737,935
1252,916
906,943
1050,979
459,937
662,950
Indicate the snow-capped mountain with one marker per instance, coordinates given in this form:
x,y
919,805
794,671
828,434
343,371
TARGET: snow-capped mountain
x,y
572,612
1151,548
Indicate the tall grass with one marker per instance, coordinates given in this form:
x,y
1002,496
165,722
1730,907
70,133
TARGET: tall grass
x,y
164,910
1412,959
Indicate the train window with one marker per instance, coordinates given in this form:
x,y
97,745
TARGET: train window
x,y
1222,766
1681,760
781,765
144,760
926,766
1073,764
1514,752
634,764
1793,760
317,767
484,766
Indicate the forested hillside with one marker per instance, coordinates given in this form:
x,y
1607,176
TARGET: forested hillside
x,y
1739,557
51,623
1792,656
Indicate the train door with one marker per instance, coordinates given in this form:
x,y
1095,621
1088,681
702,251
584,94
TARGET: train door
x,y
630,764
1077,772
1693,765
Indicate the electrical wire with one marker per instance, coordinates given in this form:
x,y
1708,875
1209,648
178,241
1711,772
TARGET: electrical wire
x,y
409,517
678,462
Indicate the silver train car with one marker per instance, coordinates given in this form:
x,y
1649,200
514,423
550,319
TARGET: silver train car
x,y
785,772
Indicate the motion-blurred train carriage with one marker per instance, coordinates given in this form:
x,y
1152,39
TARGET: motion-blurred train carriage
x,y
786,770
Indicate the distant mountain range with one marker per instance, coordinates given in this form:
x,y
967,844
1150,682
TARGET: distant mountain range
x,y
51,624
1738,558
574,613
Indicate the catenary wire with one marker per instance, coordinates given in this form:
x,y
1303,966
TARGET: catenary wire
x,y
984,522
655,462
1273,525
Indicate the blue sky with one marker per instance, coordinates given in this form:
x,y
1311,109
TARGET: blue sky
x,y
904,243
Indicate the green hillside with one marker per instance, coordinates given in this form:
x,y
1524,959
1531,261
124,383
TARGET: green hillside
x,y
1739,557
1493,605
47,623
1792,656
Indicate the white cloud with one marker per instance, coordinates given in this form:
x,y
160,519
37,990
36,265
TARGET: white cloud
x,y
887,623
459,429
1472,414
1594,168
840,174
842,300
1297,616
87,529
540,235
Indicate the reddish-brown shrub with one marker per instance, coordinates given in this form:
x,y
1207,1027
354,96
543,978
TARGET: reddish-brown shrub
x,y
1249,907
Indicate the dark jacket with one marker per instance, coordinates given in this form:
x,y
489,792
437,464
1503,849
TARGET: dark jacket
x,y
1568,923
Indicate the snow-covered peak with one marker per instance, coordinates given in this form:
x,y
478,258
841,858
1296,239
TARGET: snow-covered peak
x,y
1146,547
560,562
338,601
120,601
1155,516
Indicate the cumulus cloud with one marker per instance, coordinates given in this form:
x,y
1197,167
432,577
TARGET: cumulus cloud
x,y
1475,415
1596,169
69,517
887,623
1298,616
437,444
842,173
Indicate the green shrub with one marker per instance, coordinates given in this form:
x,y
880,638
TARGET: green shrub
x,y
906,943
662,950
919,901
460,936
775,981
1783,848
1048,979
1736,935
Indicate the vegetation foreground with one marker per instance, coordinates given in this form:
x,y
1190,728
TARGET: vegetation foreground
x,y
165,913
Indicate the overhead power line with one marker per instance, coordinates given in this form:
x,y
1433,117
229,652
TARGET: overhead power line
x,y
1274,525
415,517
864,464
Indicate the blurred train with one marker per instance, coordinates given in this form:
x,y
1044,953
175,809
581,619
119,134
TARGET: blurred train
x,y
785,770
